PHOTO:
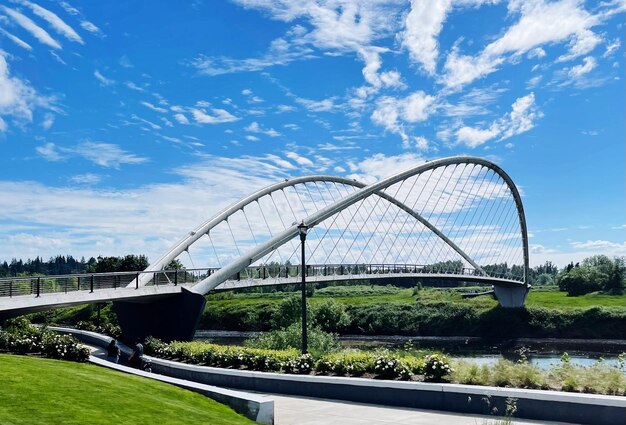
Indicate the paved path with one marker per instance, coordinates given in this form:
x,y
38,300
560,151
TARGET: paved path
x,y
290,410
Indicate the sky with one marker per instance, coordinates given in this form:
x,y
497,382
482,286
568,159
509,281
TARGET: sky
x,y
124,125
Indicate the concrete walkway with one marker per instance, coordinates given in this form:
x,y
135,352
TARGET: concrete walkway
x,y
290,410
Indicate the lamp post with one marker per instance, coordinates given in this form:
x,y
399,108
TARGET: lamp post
x,y
303,229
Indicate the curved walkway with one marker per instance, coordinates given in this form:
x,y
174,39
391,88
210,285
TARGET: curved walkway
x,y
315,411
290,410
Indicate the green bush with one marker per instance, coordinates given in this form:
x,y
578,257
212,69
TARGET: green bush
x,y
436,368
20,337
319,342
331,316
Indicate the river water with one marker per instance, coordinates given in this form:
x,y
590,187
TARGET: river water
x,y
543,353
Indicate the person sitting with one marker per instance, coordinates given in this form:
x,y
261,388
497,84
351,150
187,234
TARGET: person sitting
x,y
113,352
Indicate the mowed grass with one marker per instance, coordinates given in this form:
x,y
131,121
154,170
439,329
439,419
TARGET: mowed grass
x,y
367,294
37,391
560,300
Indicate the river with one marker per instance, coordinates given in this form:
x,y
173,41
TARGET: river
x,y
543,353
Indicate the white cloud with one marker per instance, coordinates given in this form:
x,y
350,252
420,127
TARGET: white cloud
x,y
522,118
57,23
47,122
286,108
281,52
103,154
154,107
86,179
373,63
181,118
89,26
254,127
218,116
537,52
300,160
324,105
15,39
144,121
18,99
133,86
612,47
35,30
282,163
392,112
536,27
252,138
473,137
49,152
583,43
378,166
421,143
463,69
103,80
106,155
589,63
422,27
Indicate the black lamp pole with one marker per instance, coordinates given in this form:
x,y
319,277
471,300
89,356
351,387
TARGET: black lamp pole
x,y
303,228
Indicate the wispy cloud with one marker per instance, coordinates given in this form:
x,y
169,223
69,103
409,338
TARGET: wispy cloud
x,y
154,107
57,23
15,39
216,116
520,119
106,155
18,100
255,127
34,29
103,80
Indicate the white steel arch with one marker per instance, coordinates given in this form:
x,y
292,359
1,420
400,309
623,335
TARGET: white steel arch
x,y
314,219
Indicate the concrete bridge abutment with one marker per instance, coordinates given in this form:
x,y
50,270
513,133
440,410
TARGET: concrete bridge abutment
x,y
510,296
171,318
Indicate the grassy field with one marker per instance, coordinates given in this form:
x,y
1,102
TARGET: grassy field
x,y
42,391
560,300
364,294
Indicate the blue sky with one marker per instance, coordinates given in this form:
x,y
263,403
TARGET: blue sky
x,y
123,125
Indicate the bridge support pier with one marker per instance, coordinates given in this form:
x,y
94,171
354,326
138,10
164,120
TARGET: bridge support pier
x,y
171,318
511,296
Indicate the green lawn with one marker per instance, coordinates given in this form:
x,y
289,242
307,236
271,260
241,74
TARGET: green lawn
x,y
560,300
41,391
364,294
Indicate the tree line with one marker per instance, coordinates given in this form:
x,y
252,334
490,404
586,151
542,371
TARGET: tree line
x,y
596,273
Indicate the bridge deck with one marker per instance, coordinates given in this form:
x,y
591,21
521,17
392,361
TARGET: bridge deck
x,y
248,283
24,304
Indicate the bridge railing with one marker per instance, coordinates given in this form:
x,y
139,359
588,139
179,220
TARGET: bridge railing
x,y
264,272
90,282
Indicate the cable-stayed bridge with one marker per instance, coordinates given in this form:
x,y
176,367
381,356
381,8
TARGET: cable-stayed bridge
x,y
458,218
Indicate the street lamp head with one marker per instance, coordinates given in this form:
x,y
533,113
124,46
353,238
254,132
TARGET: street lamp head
x,y
303,228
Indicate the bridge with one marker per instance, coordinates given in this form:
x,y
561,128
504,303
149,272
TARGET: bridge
x,y
457,218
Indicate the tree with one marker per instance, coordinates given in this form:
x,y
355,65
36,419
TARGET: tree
x,y
615,283
581,280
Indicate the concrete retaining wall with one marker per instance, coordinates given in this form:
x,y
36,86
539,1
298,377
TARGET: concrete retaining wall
x,y
559,406
531,404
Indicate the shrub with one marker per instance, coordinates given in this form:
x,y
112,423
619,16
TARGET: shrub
x,y
436,368
330,316
21,337
319,342
301,365
390,368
